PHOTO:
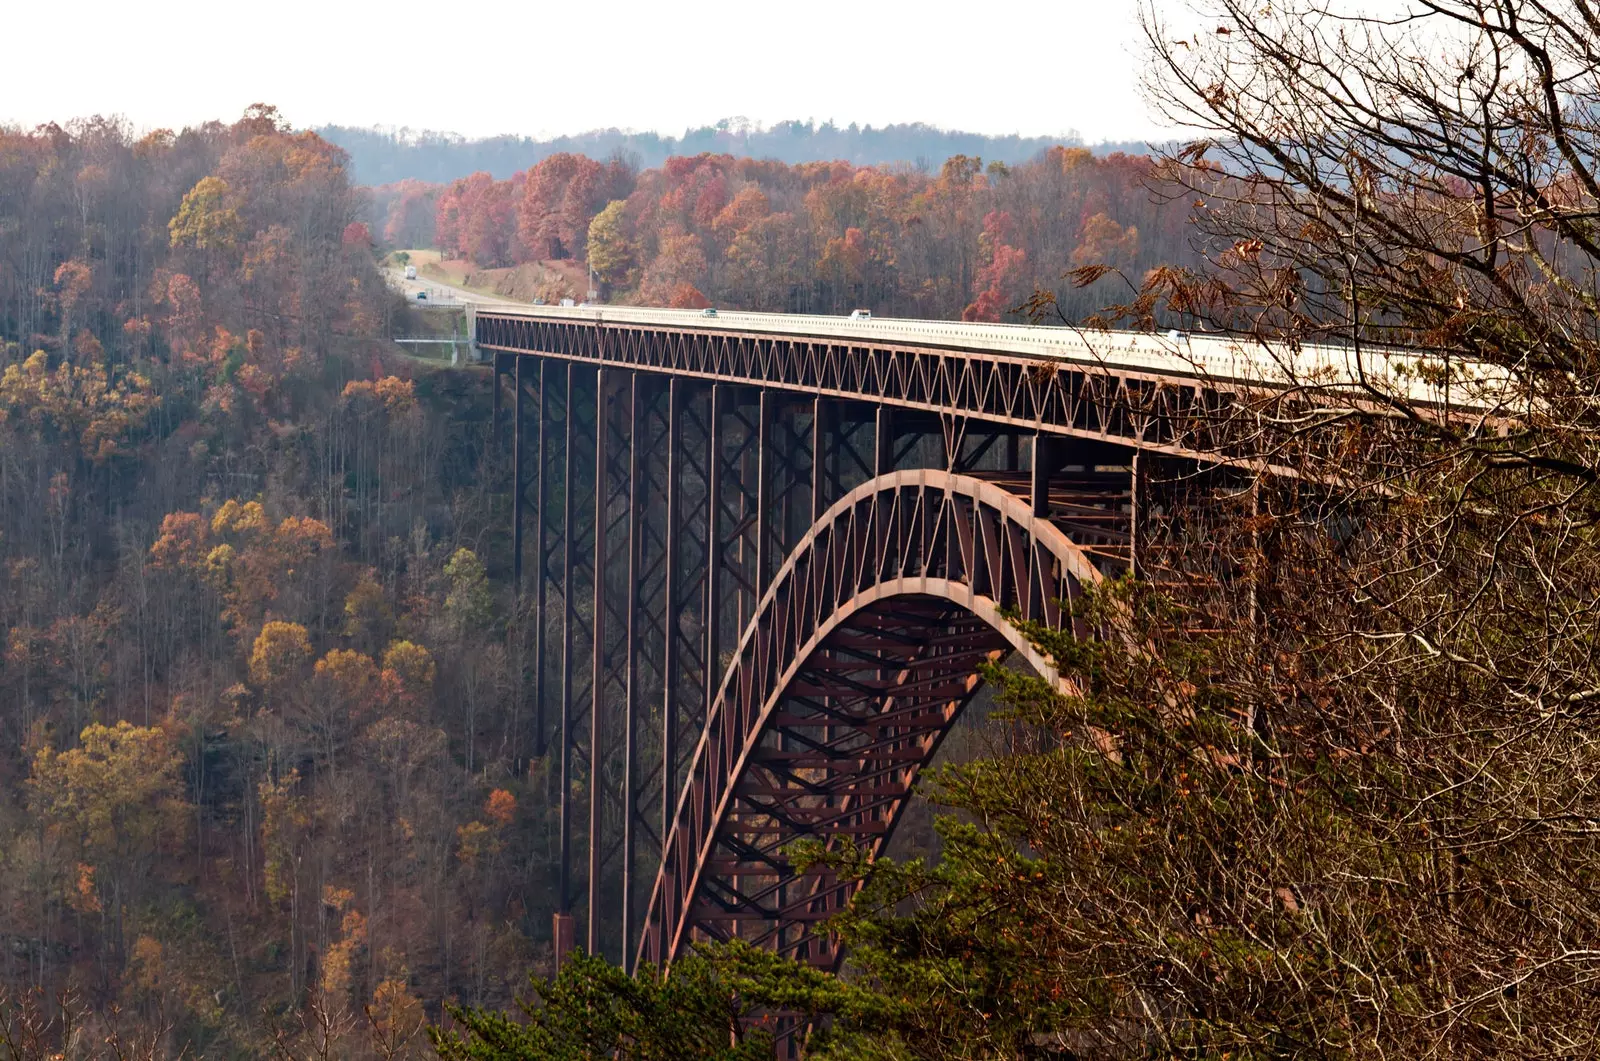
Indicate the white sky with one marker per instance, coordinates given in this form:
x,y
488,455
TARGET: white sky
x,y
531,67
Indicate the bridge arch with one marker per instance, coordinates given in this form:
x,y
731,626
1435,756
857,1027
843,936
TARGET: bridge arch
x,y
857,661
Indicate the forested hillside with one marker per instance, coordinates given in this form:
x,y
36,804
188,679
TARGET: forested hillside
x,y
970,240
383,156
258,728
265,753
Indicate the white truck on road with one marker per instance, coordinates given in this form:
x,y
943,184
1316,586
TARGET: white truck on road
x,y
411,272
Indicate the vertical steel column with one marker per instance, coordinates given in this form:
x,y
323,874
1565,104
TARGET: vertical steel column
x,y
882,464
567,620
631,677
883,441
669,659
543,571
597,660
517,499
1135,510
764,462
1040,487
713,614
819,458
494,422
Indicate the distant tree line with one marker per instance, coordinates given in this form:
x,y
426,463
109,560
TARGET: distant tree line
x,y
385,156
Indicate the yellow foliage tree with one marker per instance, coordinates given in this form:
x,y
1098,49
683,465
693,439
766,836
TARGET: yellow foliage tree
x,y
611,252
366,613
76,404
283,816
468,603
205,220
396,1017
339,958
408,672
348,676
111,799
280,650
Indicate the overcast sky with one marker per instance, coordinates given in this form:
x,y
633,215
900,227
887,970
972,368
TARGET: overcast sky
x,y
1037,67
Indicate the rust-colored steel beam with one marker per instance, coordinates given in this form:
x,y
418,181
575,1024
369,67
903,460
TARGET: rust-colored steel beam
x,y
568,621
542,471
518,475
854,665
803,613
670,620
597,658
630,767
1177,414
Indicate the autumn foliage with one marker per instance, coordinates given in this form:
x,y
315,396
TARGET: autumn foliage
x,y
968,241
254,676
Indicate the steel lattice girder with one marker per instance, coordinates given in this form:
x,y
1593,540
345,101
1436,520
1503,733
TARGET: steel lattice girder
x,y
1180,415
859,656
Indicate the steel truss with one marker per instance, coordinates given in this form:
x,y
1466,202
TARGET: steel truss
x,y
759,610
1174,414
858,660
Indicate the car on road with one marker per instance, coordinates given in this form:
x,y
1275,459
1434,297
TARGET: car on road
x,y
422,295
709,311
411,272
861,314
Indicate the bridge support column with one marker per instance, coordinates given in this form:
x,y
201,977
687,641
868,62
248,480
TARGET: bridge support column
x,y
764,462
883,441
630,757
817,459
563,935
713,612
517,480
1136,495
597,659
494,418
564,907
669,659
540,562
1043,463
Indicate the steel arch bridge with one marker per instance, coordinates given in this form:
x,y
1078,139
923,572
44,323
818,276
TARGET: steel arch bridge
x,y
765,555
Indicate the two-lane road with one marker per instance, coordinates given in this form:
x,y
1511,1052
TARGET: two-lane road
x,y
442,294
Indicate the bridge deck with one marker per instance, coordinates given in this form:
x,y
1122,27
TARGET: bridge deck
x,y
1218,360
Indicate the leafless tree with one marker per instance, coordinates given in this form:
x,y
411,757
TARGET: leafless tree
x,y
1392,686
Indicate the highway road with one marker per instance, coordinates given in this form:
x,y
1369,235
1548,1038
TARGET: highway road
x,y
441,294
